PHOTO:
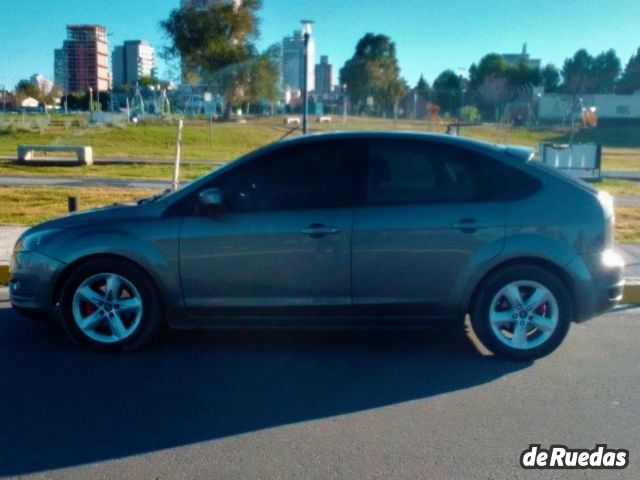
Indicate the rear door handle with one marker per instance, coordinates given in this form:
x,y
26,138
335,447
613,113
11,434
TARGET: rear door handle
x,y
319,230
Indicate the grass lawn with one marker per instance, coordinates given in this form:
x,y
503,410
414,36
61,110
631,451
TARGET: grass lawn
x,y
627,225
225,141
31,205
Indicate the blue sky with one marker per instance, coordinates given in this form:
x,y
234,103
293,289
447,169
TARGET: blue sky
x,y
430,36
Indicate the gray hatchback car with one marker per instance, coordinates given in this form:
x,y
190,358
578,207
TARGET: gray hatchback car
x,y
343,230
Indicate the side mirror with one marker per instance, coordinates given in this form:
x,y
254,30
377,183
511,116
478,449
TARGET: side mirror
x,y
210,200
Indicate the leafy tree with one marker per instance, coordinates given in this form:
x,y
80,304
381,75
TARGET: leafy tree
x,y
447,89
423,88
25,89
491,65
523,74
263,76
215,46
373,71
550,77
630,81
585,74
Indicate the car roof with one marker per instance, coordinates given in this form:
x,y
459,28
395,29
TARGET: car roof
x,y
406,135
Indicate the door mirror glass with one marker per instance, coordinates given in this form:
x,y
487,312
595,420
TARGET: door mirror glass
x,y
210,200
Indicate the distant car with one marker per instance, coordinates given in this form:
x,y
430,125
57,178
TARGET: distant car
x,y
375,230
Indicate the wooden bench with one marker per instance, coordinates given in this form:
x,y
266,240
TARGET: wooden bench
x,y
84,153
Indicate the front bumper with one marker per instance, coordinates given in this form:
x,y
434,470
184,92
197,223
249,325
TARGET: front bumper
x,y
32,280
599,285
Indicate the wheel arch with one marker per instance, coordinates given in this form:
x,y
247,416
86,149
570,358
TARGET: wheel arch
x,y
546,264
73,266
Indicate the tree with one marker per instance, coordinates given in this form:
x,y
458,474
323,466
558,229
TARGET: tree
x,y
373,71
523,74
25,89
630,80
447,90
423,88
215,46
550,78
585,74
491,65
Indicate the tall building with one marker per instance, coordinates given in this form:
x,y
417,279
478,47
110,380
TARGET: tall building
x,y
324,75
83,60
132,60
293,67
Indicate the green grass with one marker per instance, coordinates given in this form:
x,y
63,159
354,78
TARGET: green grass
x,y
31,205
148,171
621,145
619,187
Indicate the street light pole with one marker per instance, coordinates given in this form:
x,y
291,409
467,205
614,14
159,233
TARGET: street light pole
x,y
306,29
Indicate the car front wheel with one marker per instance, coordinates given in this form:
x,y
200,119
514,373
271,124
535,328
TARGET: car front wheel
x,y
110,305
522,312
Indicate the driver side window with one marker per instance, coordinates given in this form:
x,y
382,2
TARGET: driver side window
x,y
291,178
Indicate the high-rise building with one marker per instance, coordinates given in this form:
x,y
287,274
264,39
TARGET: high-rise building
x,y
83,60
132,60
324,75
293,67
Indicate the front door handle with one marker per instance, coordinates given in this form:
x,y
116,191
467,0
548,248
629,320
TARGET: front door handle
x,y
469,225
319,230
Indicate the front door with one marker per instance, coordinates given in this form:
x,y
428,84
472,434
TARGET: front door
x,y
281,243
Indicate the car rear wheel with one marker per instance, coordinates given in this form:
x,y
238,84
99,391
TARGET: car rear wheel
x,y
110,305
522,312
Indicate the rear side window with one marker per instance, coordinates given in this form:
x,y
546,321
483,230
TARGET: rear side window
x,y
422,172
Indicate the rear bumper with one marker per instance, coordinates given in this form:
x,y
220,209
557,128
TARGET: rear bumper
x,y
599,284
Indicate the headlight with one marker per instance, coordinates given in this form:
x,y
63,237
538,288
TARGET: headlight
x,y
612,259
32,241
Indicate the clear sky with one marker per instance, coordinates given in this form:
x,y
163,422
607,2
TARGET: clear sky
x,y
430,36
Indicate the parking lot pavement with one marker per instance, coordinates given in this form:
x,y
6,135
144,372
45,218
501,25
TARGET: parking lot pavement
x,y
247,405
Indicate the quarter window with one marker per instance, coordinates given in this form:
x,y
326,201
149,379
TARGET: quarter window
x,y
421,172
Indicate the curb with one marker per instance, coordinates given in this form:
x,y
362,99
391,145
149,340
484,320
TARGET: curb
x,y
630,295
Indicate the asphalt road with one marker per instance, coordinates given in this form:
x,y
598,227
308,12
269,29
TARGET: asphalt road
x,y
251,405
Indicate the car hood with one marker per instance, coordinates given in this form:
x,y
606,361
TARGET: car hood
x,y
101,215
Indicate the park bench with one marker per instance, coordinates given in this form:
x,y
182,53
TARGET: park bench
x,y
292,121
84,153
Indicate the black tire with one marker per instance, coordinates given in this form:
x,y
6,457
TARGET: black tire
x,y
146,325
481,310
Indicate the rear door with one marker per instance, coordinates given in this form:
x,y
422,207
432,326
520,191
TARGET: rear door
x,y
425,217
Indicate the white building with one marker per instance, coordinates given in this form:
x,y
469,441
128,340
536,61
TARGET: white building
x,y
293,67
131,61
556,106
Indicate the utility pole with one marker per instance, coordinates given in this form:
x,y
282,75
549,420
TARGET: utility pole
x,y
306,29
